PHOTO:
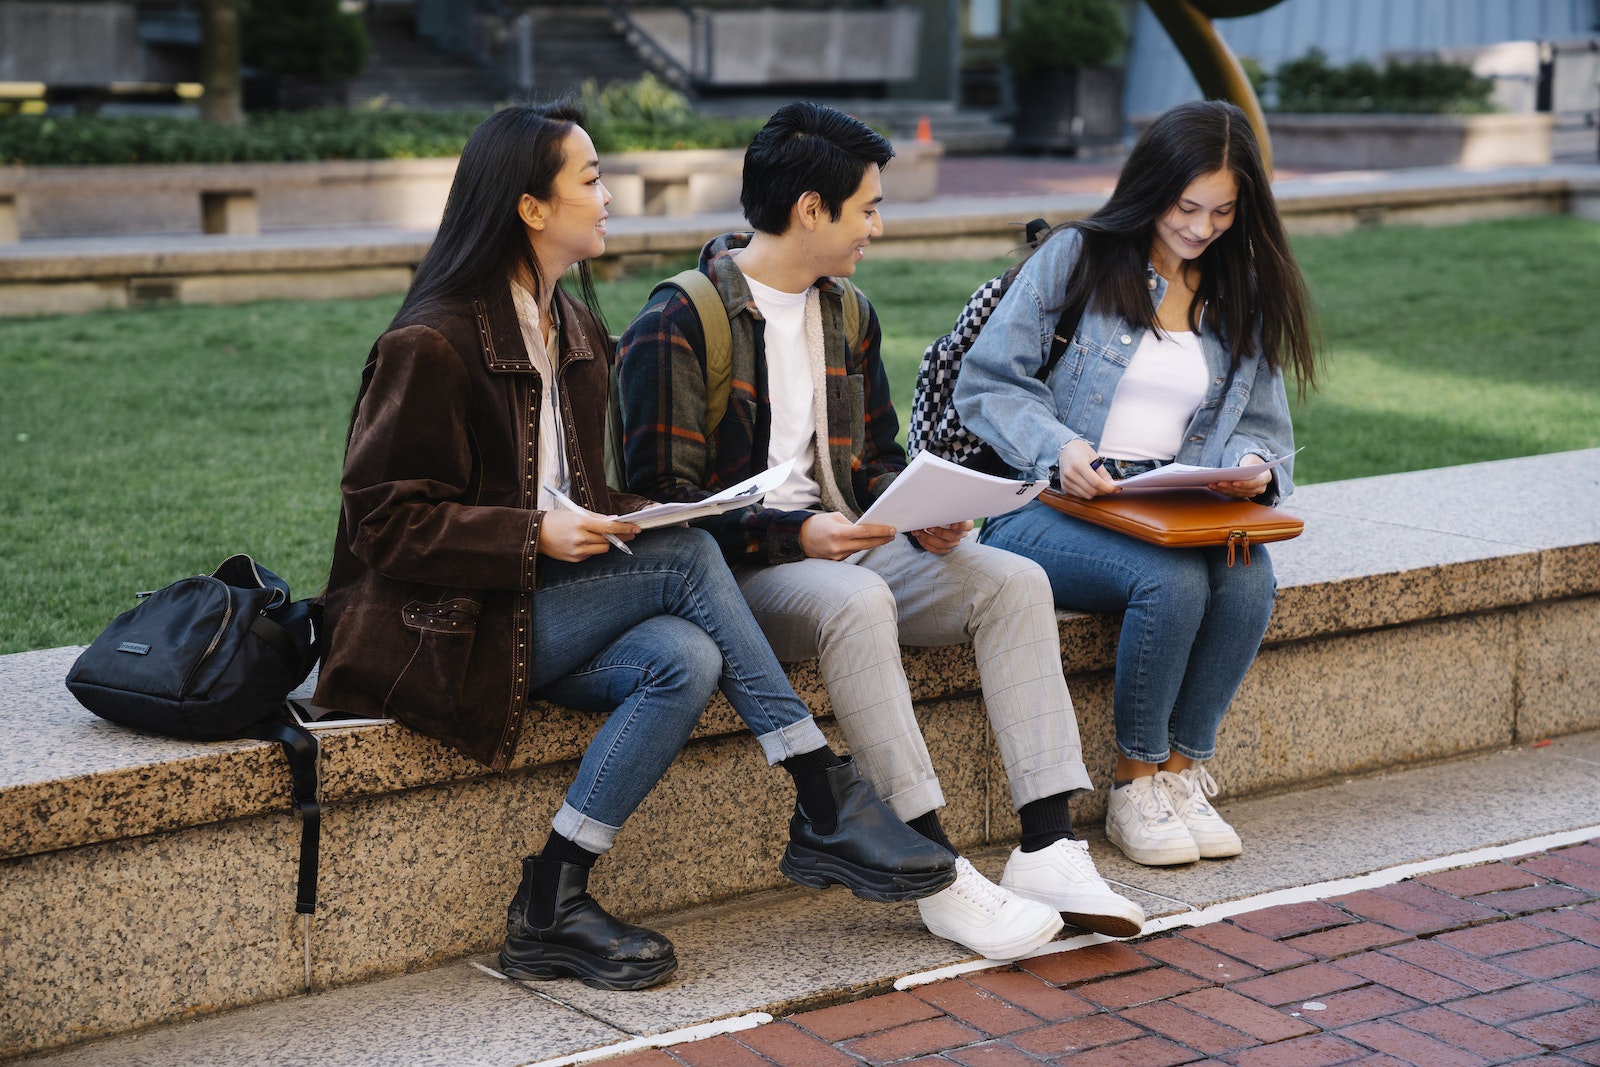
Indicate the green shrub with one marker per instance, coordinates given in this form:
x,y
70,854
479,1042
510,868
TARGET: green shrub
x,y
634,116
646,113
1428,87
1051,36
265,137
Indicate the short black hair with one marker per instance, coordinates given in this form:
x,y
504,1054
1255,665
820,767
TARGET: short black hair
x,y
807,147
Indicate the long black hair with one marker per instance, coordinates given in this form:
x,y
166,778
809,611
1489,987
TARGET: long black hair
x,y
1248,275
482,242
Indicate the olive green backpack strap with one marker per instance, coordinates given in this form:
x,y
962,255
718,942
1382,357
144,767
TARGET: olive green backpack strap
x,y
702,293
854,319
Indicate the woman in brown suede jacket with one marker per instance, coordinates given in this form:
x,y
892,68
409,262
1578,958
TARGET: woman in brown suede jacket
x,y
461,588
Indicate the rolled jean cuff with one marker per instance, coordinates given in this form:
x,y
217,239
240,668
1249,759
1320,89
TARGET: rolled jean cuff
x,y
796,739
581,830
1199,755
1050,782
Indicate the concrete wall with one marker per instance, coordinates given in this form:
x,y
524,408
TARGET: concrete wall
x,y
69,44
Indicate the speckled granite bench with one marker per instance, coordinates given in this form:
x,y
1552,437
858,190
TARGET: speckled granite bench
x,y
1422,616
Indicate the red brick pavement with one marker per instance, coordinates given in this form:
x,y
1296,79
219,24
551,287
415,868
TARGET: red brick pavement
x,y
1498,963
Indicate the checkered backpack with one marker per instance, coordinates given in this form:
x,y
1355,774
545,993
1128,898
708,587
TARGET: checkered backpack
x,y
935,425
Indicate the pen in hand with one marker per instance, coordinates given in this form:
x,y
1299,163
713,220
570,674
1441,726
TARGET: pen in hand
x,y
571,505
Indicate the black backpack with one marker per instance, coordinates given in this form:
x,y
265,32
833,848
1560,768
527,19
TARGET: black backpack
x,y
215,657
935,425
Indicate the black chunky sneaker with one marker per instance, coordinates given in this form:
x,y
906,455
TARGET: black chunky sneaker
x,y
583,940
870,852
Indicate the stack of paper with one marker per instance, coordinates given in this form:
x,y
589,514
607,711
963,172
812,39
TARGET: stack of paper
x,y
935,492
747,492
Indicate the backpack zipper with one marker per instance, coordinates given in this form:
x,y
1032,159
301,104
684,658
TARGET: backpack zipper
x,y
216,638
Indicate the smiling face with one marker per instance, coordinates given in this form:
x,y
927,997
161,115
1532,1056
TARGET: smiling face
x,y
570,226
840,244
1204,211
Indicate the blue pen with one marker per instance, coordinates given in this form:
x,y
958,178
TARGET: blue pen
x,y
1097,464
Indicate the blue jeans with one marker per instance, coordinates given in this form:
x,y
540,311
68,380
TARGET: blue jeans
x,y
645,639
1190,629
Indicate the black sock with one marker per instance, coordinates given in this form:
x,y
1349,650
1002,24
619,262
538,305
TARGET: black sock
x,y
810,773
560,850
929,826
544,877
1044,822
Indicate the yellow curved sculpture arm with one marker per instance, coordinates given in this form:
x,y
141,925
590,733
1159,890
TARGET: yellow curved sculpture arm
x,y
1213,64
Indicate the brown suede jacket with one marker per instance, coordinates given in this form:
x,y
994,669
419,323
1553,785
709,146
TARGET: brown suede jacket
x,y
436,565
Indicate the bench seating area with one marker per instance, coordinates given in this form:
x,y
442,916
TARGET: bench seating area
x,y
1422,616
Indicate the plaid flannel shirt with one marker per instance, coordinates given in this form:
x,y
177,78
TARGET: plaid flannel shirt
x,y
662,379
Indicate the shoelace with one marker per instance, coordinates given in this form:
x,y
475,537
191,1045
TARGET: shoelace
x,y
1153,802
976,888
1077,856
1195,783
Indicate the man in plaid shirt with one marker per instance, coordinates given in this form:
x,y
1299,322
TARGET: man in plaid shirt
x,y
822,586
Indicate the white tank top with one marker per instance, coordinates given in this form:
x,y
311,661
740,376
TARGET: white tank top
x,y
1157,398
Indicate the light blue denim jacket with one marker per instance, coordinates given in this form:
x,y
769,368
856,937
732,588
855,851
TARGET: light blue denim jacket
x,y
1028,421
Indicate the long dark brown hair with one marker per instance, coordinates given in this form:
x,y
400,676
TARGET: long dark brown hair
x,y
481,243
1248,275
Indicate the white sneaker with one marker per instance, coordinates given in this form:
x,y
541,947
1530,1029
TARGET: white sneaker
x,y
1141,821
1188,790
1063,876
974,912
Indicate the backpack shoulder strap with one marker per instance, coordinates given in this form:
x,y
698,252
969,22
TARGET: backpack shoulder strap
x,y
855,320
300,747
702,293
1066,326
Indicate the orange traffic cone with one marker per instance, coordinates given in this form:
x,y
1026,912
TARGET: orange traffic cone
x,y
924,129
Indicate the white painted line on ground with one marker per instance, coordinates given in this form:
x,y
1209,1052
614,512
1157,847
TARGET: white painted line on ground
x,y
715,1028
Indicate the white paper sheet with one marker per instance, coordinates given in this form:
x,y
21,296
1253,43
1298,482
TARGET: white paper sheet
x,y
935,492
1181,475
747,492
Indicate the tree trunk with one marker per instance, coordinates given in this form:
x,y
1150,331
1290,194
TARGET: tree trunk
x,y
219,62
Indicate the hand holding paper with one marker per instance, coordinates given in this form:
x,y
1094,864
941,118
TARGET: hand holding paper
x,y
750,491
1180,475
935,492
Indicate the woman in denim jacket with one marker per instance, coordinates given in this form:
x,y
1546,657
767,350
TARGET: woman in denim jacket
x,y
1194,309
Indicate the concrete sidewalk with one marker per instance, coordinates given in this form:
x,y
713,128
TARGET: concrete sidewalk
x,y
1233,953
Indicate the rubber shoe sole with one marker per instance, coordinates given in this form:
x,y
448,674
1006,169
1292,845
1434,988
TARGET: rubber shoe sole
x,y
1174,855
1098,923
539,962
818,870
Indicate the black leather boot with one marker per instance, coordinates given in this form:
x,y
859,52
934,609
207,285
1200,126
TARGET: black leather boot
x,y
870,852
582,940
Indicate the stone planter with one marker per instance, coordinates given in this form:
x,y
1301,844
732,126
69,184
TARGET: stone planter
x,y
1075,111
249,198
238,198
707,180
1380,142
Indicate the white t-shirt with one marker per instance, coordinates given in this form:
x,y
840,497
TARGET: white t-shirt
x,y
552,456
1156,398
789,386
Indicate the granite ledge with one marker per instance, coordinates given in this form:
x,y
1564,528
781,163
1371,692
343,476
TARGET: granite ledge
x,y
71,779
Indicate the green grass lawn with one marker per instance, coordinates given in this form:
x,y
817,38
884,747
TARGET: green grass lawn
x,y
139,446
